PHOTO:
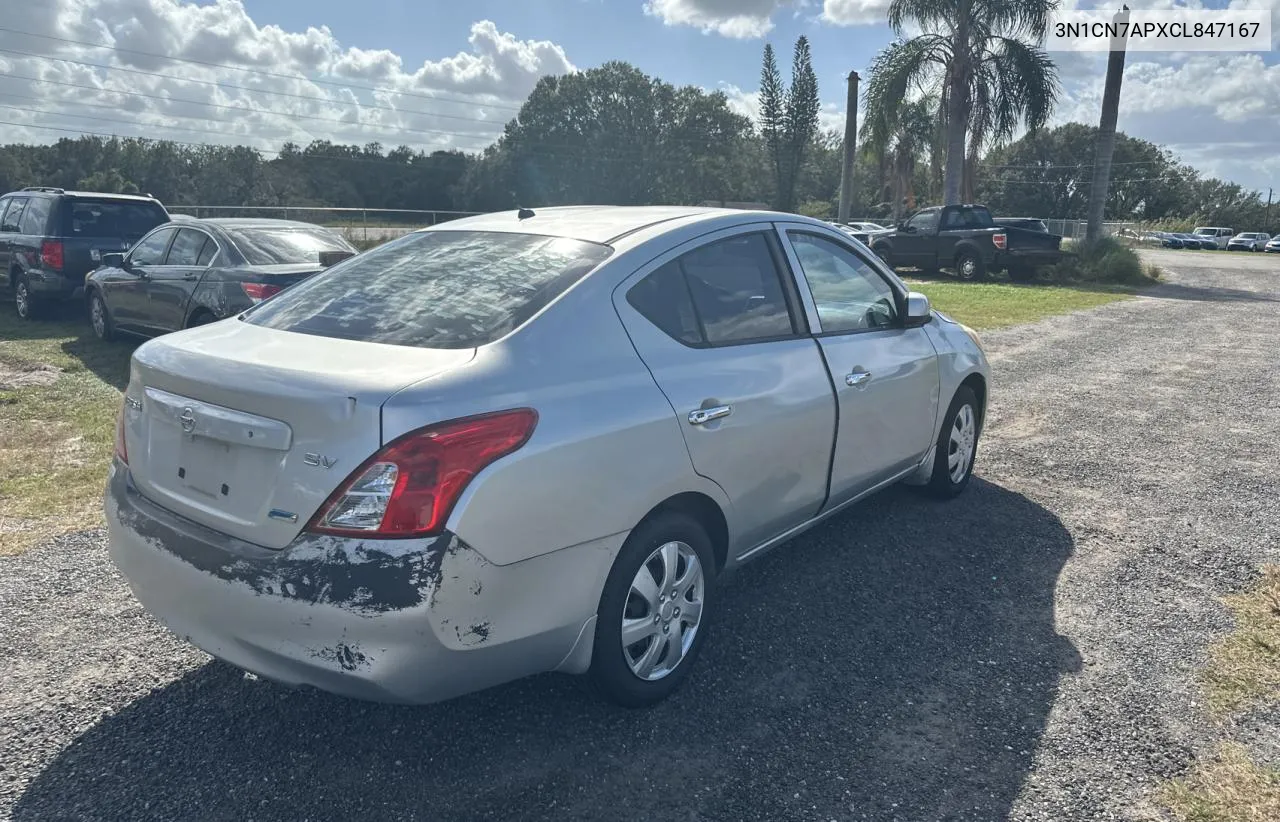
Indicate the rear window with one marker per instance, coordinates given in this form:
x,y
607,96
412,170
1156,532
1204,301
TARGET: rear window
x,y
129,219
438,289
285,246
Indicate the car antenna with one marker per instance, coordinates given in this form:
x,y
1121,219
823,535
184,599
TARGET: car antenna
x,y
525,213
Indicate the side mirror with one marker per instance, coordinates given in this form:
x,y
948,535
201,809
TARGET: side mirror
x,y
113,260
918,310
907,228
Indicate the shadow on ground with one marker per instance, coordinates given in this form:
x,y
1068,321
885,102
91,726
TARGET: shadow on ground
x,y
898,662
1210,294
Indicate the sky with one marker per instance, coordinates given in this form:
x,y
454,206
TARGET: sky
x,y
434,74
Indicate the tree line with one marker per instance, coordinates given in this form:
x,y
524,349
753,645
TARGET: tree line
x,y
614,135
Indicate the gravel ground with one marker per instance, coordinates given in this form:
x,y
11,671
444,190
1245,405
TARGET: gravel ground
x,y
1023,652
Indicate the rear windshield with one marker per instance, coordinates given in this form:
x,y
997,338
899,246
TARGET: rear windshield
x,y
285,246
438,289
111,218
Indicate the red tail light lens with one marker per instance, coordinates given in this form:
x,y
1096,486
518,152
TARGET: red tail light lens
x,y
260,291
1001,241
122,451
409,488
51,254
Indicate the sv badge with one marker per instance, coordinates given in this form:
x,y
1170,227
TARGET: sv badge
x,y
319,460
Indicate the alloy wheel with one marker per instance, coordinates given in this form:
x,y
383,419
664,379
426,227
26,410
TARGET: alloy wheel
x,y
663,611
963,440
98,316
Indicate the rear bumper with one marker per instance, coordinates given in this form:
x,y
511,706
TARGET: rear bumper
x,y
53,285
387,620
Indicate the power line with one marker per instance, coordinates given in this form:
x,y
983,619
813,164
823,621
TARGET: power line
x,y
336,83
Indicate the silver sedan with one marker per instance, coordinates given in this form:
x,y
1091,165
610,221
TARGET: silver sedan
x,y
526,442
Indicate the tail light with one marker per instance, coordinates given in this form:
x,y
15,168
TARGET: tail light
x,y
409,488
1001,241
259,291
122,451
51,254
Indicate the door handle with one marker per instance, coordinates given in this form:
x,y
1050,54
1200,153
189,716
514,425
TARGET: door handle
x,y
189,276
857,378
705,415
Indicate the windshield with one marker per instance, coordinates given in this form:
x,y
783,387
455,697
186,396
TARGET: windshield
x,y
435,289
111,218
1207,231
285,245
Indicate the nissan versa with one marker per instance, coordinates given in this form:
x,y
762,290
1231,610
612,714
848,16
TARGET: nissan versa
x,y
525,442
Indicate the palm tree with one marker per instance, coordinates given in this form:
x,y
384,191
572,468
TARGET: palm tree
x,y
980,57
898,138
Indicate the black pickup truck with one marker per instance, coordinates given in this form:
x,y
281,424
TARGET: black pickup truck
x,y
966,239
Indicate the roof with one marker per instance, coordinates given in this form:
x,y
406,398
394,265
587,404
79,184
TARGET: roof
x,y
142,198
597,224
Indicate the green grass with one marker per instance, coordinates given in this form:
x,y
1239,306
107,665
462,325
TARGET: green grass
x,y
997,305
56,437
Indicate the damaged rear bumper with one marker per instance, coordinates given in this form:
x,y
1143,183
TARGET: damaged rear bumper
x,y
387,620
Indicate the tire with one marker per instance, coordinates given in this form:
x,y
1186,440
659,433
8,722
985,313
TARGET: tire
x,y
946,483
100,318
883,252
615,670
23,301
200,318
969,266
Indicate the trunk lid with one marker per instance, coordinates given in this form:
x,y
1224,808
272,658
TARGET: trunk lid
x,y
247,430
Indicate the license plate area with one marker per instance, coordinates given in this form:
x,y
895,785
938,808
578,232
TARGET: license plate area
x,y
205,466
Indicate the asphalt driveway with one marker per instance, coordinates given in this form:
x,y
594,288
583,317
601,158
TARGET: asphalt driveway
x,y
1026,651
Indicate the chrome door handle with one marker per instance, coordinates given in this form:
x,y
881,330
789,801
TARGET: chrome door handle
x,y
704,415
857,378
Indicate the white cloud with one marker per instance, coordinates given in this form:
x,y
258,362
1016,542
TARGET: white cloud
x,y
294,90
854,12
739,19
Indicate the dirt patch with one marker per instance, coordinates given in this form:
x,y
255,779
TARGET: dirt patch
x,y
14,376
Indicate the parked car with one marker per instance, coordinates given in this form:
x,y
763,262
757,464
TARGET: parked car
x,y
1218,235
966,238
867,227
407,477
1248,241
1273,245
1169,239
191,272
1196,241
51,238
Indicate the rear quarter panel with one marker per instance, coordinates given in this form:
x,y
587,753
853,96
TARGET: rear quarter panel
x,y
607,448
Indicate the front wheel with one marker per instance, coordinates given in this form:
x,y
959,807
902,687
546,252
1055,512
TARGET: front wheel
x,y
653,611
99,318
969,266
957,445
885,255
22,299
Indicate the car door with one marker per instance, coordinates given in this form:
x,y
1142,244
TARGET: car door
x,y
886,375
915,244
171,285
126,296
724,336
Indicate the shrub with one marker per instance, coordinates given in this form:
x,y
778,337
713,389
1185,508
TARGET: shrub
x,y
1106,260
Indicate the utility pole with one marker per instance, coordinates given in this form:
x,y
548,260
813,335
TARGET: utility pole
x,y
1266,220
850,146
1107,129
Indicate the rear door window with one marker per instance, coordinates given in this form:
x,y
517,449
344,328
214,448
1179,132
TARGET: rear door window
x,y
12,219
186,247
35,219
434,289
104,217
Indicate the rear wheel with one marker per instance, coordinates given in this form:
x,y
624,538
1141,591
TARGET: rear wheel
x,y
969,266
957,445
200,318
882,251
99,318
653,611
23,300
